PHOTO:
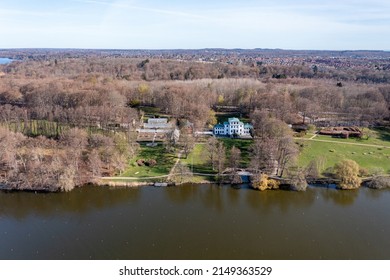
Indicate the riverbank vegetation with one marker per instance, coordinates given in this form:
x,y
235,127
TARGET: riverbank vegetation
x,y
69,119
74,159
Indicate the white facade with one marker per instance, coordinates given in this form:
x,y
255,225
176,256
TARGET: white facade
x,y
233,127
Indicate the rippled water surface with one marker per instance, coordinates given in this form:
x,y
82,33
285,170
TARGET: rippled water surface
x,y
195,222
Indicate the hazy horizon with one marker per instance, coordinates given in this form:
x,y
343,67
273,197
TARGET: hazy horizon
x,y
199,49
152,25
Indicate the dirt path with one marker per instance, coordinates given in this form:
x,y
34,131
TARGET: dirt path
x,y
338,142
133,178
174,166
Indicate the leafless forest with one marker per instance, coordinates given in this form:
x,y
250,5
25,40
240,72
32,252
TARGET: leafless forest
x,y
70,116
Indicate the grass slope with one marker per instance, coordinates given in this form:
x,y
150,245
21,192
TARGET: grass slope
x,y
165,161
242,144
198,160
369,158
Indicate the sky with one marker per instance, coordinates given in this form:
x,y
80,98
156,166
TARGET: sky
x,y
188,24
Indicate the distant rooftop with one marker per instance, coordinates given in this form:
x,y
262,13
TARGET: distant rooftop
x,y
157,123
158,120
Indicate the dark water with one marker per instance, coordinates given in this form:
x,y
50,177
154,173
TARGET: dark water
x,y
195,222
4,60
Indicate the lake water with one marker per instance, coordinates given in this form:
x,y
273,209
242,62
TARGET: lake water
x,y
195,222
4,60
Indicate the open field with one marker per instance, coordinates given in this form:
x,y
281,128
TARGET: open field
x,y
165,161
368,157
378,136
308,136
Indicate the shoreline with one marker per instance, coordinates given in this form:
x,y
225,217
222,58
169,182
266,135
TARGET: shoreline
x,y
103,182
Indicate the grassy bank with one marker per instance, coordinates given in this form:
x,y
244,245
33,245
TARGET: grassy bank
x,y
164,162
242,144
197,161
370,158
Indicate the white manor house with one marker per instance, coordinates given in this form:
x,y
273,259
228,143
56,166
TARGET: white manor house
x,y
233,128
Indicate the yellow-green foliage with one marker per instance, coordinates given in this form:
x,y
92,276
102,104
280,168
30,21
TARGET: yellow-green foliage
x,y
273,184
348,173
212,120
221,100
262,183
143,88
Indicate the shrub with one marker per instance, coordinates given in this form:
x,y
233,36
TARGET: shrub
x,y
300,134
311,128
146,162
315,167
297,178
363,172
379,182
151,162
262,183
377,171
273,184
298,182
347,171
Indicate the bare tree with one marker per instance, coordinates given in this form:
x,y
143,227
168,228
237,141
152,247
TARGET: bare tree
x,y
263,156
188,143
235,158
287,153
95,164
212,151
220,158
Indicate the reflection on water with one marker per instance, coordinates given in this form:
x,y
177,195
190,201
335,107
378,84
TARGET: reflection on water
x,y
22,204
181,195
341,197
195,222
284,201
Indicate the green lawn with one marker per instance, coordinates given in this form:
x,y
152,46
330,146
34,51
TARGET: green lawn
x,y
165,161
150,110
223,117
198,161
367,157
307,136
379,137
242,144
